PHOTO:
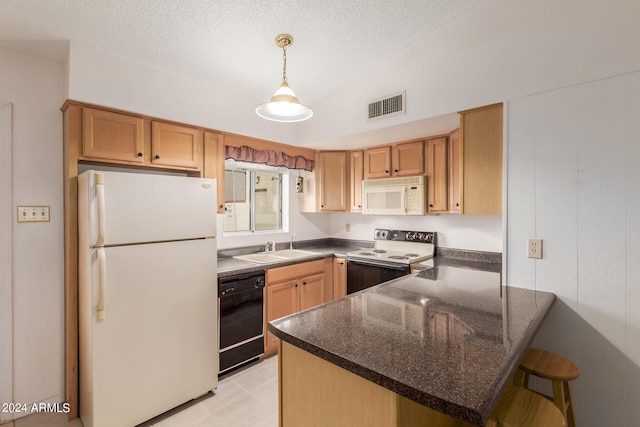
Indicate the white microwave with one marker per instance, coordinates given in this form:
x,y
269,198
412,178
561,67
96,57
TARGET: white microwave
x,y
394,196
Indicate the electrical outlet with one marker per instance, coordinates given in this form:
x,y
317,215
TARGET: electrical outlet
x,y
348,228
534,248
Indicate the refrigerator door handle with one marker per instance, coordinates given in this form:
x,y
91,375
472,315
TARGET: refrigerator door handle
x,y
101,208
102,283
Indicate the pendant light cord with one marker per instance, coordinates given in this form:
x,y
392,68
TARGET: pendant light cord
x,y
284,63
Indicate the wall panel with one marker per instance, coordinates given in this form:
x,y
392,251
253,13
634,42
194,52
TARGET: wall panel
x,y
556,195
632,374
521,136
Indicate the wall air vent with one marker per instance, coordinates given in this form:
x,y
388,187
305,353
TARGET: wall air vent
x,y
389,106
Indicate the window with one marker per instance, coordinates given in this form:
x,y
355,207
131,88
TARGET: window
x,y
254,197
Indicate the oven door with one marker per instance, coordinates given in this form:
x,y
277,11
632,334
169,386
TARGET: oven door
x,y
362,274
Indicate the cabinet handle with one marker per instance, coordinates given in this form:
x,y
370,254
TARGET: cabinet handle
x,y
387,171
395,170
430,205
295,285
139,154
157,156
304,283
457,204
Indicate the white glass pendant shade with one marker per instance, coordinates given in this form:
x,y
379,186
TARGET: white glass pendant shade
x,y
284,107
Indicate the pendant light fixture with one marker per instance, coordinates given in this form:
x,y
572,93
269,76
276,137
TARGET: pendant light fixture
x,y
283,105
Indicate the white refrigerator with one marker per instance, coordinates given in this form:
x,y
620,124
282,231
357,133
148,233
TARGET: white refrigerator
x,y
147,294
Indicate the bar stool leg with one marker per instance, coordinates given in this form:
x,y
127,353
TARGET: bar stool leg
x,y
558,397
571,422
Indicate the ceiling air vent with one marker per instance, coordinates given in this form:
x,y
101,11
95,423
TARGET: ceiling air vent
x,y
389,106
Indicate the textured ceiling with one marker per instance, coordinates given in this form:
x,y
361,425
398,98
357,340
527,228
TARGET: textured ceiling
x,y
231,42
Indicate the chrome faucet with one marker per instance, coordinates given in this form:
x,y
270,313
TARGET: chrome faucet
x,y
270,246
291,242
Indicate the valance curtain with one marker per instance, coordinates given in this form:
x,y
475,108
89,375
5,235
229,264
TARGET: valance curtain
x,y
268,157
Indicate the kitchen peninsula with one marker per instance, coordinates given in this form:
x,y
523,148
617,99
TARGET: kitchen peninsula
x,y
429,349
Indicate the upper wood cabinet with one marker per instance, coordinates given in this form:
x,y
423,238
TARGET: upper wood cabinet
x,y
401,159
481,160
213,163
407,158
112,137
357,174
437,175
177,146
454,172
332,181
377,162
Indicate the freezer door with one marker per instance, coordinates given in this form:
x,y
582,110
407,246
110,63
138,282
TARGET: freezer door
x,y
157,345
136,207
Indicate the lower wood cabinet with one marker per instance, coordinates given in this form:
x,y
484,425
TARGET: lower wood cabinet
x,y
291,289
339,277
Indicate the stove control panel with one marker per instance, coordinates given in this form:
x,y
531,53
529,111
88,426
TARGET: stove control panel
x,y
405,236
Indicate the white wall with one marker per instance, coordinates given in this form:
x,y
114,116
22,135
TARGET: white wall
x,y
34,87
574,182
478,233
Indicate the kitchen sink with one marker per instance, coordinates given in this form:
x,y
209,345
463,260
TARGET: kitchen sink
x,y
276,256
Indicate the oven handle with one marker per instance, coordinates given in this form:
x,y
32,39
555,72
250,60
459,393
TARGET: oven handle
x,y
392,265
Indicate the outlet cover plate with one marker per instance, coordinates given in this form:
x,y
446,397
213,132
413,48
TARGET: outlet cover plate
x,y
534,248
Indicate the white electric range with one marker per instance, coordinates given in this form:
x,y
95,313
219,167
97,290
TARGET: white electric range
x,y
391,256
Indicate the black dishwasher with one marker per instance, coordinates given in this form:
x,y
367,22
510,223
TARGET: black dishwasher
x,y
240,308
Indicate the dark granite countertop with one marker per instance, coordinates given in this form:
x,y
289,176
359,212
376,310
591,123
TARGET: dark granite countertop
x,y
447,337
228,265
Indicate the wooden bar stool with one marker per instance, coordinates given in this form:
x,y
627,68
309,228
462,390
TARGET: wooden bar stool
x,y
519,407
555,368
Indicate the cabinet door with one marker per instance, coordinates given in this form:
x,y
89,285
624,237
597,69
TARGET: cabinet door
x,y
312,291
176,146
283,299
454,171
377,162
357,173
339,277
213,153
333,181
113,137
481,136
408,158
437,172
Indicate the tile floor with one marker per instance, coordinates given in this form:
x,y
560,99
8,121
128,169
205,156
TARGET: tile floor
x,y
247,397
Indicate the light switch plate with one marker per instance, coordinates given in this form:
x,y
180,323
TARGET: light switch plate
x,y
33,213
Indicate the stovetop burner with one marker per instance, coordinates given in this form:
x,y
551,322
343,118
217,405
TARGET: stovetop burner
x,y
398,257
378,251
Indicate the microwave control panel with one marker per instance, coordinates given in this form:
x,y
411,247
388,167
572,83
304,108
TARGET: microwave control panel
x,y
413,201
